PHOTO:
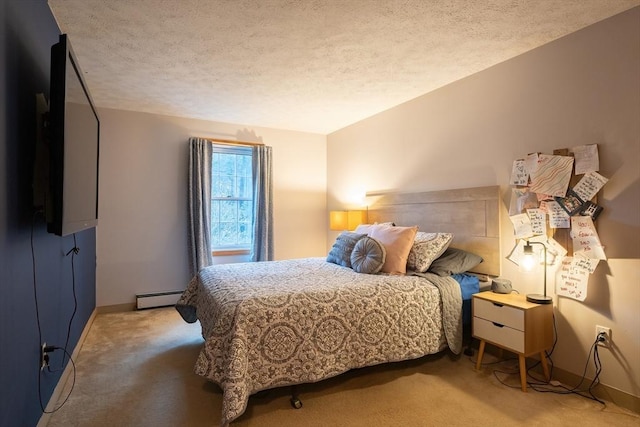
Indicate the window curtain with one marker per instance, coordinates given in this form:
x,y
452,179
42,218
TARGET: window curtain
x,y
200,160
262,204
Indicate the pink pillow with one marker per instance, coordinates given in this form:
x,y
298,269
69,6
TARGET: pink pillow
x,y
365,228
397,242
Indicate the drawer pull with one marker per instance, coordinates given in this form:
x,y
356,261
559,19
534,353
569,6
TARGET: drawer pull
x,y
498,305
498,325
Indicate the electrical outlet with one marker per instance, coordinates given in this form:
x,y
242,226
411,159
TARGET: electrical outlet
x,y
44,357
606,342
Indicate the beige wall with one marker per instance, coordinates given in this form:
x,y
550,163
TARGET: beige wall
x,y
142,231
581,89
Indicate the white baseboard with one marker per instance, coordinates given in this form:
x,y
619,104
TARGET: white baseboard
x,y
66,374
158,299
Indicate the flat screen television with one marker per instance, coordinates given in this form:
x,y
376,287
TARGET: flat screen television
x,y
74,146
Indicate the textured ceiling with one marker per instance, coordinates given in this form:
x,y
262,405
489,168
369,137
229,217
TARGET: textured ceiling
x,y
314,66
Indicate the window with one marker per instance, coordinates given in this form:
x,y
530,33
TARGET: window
x,y
231,199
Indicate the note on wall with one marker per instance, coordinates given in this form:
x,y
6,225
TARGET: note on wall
x,y
589,185
586,242
531,163
521,226
555,251
552,175
538,220
519,174
572,278
558,217
521,200
586,158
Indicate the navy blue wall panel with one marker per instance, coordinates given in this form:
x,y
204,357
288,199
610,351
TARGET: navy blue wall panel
x,y
28,30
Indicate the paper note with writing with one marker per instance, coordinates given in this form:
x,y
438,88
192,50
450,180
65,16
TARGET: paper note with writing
x,y
521,226
542,197
531,163
586,243
538,221
519,174
552,175
589,185
572,278
544,206
589,263
586,158
558,217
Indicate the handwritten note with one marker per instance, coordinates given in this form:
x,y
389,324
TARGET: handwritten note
x,y
588,263
586,242
552,175
558,217
589,185
572,279
586,157
538,220
519,174
521,226
531,163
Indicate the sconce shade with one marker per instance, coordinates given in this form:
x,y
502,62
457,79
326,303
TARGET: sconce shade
x,y
346,220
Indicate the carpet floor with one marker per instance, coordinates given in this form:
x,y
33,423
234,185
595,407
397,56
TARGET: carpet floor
x,y
136,369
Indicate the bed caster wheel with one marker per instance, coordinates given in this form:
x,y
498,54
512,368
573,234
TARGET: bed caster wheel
x,y
296,403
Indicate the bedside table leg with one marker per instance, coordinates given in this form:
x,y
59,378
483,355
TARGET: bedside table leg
x,y
545,366
523,372
480,354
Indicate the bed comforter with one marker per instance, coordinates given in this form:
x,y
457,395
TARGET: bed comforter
x,y
277,323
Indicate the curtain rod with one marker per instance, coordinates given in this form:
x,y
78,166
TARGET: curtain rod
x,y
231,141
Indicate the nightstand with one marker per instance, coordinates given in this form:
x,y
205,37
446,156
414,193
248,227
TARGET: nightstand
x,y
510,322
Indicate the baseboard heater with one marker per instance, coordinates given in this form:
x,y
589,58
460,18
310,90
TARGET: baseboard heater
x,y
157,299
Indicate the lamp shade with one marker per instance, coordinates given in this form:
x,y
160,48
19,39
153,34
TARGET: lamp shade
x,y
355,218
338,220
346,220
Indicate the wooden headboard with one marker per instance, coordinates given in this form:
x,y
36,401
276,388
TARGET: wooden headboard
x,y
472,215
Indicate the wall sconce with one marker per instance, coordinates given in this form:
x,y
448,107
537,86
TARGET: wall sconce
x,y
528,262
346,220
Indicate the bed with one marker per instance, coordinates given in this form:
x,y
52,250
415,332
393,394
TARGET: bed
x,y
288,322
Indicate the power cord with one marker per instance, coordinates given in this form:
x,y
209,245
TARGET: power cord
x,y
73,383
48,349
73,251
542,386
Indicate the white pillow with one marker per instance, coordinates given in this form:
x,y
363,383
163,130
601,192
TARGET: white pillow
x,y
426,248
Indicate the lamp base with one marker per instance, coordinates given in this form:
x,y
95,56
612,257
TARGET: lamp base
x,y
539,299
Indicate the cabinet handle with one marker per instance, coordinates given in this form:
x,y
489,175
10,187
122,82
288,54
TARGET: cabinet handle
x,y
498,305
498,325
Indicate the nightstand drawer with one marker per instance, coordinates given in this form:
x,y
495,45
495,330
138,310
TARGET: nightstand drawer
x,y
504,336
495,312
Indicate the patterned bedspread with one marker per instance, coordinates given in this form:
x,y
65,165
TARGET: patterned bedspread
x,y
278,323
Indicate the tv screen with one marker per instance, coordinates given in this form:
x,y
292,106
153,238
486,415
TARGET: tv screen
x,y
74,149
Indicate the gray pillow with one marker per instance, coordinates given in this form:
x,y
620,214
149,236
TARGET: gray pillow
x,y
368,256
454,261
341,251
